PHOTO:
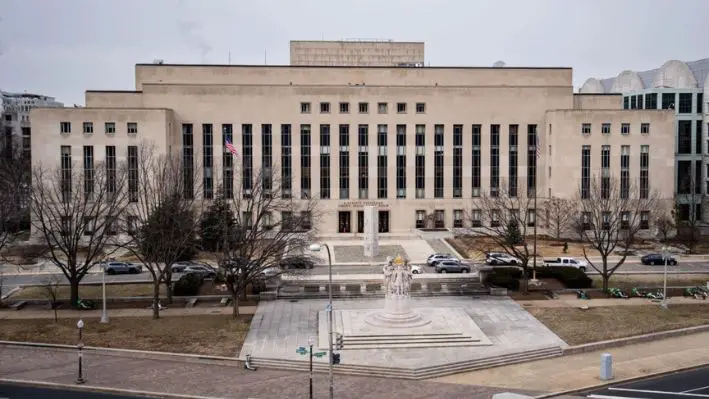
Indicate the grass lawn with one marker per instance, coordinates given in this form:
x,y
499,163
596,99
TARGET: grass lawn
x,y
88,291
218,335
576,326
653,280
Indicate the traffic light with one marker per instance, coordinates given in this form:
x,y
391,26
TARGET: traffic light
x,y
339,341
335,358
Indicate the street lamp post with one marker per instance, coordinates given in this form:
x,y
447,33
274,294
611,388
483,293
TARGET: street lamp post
x,y
666,257
316,248
80,347
104,312
310,344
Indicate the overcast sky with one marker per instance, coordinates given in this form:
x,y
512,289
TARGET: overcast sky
x,y
63,47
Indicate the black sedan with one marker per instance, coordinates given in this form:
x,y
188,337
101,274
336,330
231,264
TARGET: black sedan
x,y
657,259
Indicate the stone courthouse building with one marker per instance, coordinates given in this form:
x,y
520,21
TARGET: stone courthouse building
x,y
376,127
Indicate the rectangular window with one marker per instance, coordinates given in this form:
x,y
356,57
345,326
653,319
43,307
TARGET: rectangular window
x,y
382,182
286,161
624,171
420,161
700,103
586,171
494,160
227,161
266,159
305,182
89,171
625,128
684,137
606,128
400,108
304,108
645,128
684,177
363,108
633,102
65,127
640,101
531,217
605,171
187,161
88,127
66,166
382,108
685,103
585,128
513,155
532,151
344,161
438,179
133,173
247,160
476,218
207,161
111,169
420,219
458,218
698,139
344,108
668,100
476,160
324,161
457,161
651,101
363,161
420,108
645,220
324,108
132,127
626,102
110,127
400,161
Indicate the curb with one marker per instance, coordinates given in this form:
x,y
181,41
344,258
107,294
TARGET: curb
x,y
637,339
231,361
95,388
620,381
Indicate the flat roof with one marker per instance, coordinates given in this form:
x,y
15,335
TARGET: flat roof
x,y
342,66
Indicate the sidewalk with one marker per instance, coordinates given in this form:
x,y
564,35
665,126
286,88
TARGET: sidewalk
x,y
75,314
570,301
579,371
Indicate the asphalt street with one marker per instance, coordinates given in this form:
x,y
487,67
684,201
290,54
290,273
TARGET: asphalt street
x,y
9,391
693,384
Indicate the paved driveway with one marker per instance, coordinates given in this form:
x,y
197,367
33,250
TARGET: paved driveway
x,y
193,378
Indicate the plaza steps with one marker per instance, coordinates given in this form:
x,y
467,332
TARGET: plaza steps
x,y
421,373
359,237
473,292
408,341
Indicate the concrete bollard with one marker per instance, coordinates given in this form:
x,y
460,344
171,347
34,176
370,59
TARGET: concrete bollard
x,y
606,367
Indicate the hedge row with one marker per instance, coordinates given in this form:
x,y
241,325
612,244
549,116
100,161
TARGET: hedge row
x,y
508,277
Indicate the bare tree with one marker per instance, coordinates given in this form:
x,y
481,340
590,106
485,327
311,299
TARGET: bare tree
x,y
270,233
51,290
506,220
558,215
612,215
15,178
665,225
162,221
75,210
687,212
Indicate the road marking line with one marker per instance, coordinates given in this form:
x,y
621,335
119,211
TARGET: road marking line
x,y
693,395
610,397
696,389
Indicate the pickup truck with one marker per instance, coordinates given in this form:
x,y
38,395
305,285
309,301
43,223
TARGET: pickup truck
x,y
569,262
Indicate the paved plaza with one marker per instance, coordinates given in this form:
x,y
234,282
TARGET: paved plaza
x,y
352,251
279,327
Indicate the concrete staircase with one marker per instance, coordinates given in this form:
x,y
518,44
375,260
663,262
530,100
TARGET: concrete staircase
x,y
412,373
408,341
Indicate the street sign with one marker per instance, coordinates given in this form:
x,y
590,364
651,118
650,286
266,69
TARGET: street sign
x,y
319,354
301,351
328,307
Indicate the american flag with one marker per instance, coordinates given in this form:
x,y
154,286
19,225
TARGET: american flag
x,y
229,146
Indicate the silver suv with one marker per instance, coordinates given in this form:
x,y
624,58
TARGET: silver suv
x,y
452,266
435,258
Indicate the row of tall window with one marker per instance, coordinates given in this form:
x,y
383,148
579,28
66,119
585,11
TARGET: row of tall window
x,y
607,128
362,108
685,139
605,176
363,160
680,101
88,164
108,127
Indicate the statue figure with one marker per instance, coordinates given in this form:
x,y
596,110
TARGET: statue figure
x,y
388,278
397,277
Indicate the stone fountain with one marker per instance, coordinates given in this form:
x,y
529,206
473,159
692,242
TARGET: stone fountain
x,y
398,323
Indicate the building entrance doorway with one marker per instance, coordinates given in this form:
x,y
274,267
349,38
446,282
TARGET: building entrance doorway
x,y
360,222
383,221
344,221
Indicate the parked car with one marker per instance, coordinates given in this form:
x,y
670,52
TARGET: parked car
x,y
568,262
433,259
451,266
296,263
270,272
202,270
415,269
501,259
115,267
657,259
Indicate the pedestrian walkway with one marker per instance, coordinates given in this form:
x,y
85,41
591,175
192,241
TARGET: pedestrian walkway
x,y
170,312
570,301
582,370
